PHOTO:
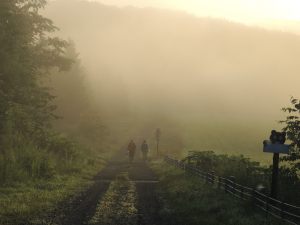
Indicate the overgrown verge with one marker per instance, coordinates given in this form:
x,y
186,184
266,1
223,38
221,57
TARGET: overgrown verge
x,y
118,206
249,173
187,200
40,166
35,201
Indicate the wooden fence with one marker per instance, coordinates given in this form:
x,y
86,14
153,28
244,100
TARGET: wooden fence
x,y
270,206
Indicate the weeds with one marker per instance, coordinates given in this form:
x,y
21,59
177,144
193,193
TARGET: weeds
x,y
187,200
118,205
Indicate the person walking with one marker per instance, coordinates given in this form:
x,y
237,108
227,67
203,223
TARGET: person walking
x,y
131,150
145,150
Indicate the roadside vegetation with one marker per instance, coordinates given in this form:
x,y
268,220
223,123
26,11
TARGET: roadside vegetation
x,y
42,164
188,200
249,173
36,202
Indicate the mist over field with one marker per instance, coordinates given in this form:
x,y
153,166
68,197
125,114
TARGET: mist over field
x,y
209,84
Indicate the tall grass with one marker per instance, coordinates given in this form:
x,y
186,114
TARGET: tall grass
x,y
187,200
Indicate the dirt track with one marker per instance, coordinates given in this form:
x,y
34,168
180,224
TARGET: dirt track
x,y
83,207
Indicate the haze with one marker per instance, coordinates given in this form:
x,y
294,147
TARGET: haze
x,y
213,84
275,14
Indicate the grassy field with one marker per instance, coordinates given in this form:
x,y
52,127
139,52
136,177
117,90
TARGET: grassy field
x,y
187,200
34,201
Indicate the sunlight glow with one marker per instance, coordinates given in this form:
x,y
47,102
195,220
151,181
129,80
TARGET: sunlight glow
x,y
244,11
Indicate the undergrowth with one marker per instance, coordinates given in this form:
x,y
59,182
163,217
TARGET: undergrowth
x,y
187,200
34,201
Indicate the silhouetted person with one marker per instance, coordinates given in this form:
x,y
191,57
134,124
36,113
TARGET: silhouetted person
x,y
131,150
145,150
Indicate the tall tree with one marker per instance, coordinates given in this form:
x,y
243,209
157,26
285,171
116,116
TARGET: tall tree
x,y
27,52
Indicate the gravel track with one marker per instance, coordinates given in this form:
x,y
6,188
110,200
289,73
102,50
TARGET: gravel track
x,y
83,206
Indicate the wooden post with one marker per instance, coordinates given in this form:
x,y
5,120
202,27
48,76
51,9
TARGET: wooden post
x,y
253,196
242,192
282,211
226,185
207,177
232,179
189,160
275,171
219,182
267,207
212,177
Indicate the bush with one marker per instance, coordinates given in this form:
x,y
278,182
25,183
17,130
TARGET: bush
x,y
23,160
249,173
245,171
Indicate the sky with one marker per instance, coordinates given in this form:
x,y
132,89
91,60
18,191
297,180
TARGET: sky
x,y
280,14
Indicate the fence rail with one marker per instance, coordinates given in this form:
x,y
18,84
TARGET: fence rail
x,y
273,207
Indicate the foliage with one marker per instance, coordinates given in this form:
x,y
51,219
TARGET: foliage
x,y
249,173
26,55
35,202
292,129
245,171
290,171
29,52
187,200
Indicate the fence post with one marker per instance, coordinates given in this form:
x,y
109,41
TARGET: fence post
x,y
189,160
194,170
207,177
253,195
242,192
232,179
212,177
282,210
226,185
267,207
219,182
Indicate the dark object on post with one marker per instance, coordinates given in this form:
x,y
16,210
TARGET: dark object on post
x,y
277,137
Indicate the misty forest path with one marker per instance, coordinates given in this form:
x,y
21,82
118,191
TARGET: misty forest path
x,y
81,209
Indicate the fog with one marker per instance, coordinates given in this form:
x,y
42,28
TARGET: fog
x,y
212,83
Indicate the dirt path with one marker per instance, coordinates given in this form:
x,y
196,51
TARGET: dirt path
x,y
83,207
